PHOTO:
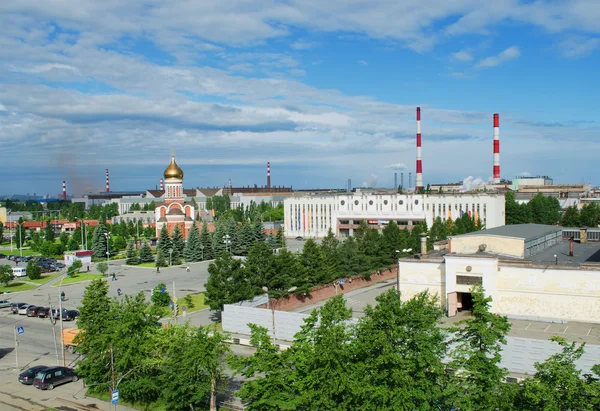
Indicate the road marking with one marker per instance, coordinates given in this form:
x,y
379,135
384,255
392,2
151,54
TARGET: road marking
x,y
546,328
566,329
589,331
528,325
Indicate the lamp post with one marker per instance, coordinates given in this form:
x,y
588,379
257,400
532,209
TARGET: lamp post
x,y
227,242
270,305
11,230
81,229
62,337
20,240
107,235
404,250
170,256
556,258
202,249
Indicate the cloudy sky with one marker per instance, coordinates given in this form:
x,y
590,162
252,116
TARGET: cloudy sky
x,y
325,91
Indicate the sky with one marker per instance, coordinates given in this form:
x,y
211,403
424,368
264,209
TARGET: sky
x,y
325,91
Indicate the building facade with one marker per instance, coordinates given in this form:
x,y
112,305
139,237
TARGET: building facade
x,y
313,216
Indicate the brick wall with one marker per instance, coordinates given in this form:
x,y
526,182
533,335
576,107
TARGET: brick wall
x,y
326,291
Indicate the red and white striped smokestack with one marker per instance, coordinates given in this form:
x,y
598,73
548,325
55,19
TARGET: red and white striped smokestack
x,y
269,175
162,187
107,186
419,178
64,192
496,149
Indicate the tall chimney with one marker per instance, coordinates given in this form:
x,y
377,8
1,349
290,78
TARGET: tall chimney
x,y
162,186
395,181
496,149
107,186
349,185
64,192
409,180
419,176
269,175
402,179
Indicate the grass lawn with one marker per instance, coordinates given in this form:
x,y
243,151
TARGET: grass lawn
x,y
45,278
145,265
26,252
77,278
197,300
104,396
215,327
16,286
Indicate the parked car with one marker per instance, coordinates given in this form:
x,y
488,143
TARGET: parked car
x,y
27,377
68,315
2,256
51,377
14,307
5,303
23,309
300,238
32,310
43,312
12,257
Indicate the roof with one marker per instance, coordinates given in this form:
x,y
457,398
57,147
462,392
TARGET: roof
x,y
524,231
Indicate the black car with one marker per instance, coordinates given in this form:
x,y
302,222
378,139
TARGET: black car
x,y
14,307
2,256
68,315
32,310
51,377
43,312
26,377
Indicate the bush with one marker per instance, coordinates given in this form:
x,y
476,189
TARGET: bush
x,y
34,271
102,267
160,299
188,301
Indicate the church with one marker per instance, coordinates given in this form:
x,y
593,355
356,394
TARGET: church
x,y
174,211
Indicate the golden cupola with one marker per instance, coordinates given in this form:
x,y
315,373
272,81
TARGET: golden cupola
x,y
173,171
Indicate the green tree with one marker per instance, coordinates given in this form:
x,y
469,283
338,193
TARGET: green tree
x,y
590,215
36,241
206,241
571,217
75,267
146,255
1,232
259,231
227,282
34,271
477,355
6,274
331,256
160,298
99,241
281,242
245,239
49,231
178,244
260,268
64,238
192,252
132,257
163,247
312,260
102,267
439,230
73,244
544,210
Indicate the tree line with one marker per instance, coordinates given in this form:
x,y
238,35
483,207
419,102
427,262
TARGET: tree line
x,y
588,216
394,358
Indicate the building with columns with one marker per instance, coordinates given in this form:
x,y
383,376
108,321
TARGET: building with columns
x,y
174,210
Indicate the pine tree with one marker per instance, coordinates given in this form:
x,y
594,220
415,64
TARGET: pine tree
x,y
191,252
259,231
163,247
132,258
272,241
146,255
206,240
218,245
245,239
281,243
232,231
178,245
99,241
49,231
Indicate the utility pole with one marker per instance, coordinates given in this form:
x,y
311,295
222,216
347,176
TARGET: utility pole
x,y
53,330
16,348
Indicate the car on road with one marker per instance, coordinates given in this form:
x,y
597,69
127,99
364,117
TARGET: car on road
x,y
51,377
32,310
68,315
299,238
14,307
23,309
2,256
27,377
5,303
43,312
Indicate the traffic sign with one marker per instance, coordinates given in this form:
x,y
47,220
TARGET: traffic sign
x,y
20,330
115,396
183,308
162,290
174,299
341,282
171,304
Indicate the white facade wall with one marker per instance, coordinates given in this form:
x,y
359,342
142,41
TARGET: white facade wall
x,y
313,216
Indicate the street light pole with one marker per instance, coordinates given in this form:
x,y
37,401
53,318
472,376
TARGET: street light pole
x,y
107,254
227,243
62,338
202,249
20,241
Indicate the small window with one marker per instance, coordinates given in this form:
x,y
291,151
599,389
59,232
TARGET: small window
x,y
58,373
355,202
370,202
385,202
342,202
401,202
416,202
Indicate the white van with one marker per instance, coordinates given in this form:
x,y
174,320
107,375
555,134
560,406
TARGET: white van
x,y
19,271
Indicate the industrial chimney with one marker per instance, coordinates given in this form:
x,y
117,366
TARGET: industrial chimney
x,y
107,186
161,186
395,181
419,176
268,175
496,149
402,179
409,180
64,191
349,185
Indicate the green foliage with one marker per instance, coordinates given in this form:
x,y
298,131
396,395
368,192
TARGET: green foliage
x,y
117,243
64,238
75,267
590,215
6,274
132,257
34,271
571,217
102,267
99,241
192,250
206,241
49,231
159,298
178,245
227,282
281,242
146,255
48,249
219,204
189,301
539,210
163,247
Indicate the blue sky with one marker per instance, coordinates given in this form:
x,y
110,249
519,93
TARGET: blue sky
x,y
324,91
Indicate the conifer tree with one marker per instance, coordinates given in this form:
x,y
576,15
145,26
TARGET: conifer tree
x,y
206,241
192,249
146,255
272,241
163,247
99,241
178,245
218,238
132,258
259,231
281,243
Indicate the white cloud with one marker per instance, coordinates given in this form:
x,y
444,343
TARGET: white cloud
x,y
371,181
363,63
462,55
397,166
508,54
579,46
304,45
298,72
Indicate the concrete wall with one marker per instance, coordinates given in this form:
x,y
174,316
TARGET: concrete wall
x,y
236,319
416,277
469,244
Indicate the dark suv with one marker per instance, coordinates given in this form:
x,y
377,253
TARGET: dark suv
x,y
26,377
54,376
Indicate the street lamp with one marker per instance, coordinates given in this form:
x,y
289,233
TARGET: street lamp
x,y
81,229
404,250
227,242
107,235
202,249
62,337
556,258
20,240
170,256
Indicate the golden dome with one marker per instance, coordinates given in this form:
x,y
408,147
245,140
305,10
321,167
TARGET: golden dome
x,y
173,171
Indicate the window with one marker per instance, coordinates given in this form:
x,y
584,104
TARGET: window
x,y
370,202
385,202
342,202
468,280
416,202
58,373
355,202
400,202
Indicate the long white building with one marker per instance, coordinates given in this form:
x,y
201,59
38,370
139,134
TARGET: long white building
x,y
313,216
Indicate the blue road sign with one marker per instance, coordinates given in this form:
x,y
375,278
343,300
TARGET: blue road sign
x,y
115,396
171,304
341,282
162,290
20,330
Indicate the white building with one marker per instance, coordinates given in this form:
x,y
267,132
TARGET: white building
x,y
527,269
313,216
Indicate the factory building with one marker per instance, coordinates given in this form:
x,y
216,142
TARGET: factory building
x,y
531,271
313,216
